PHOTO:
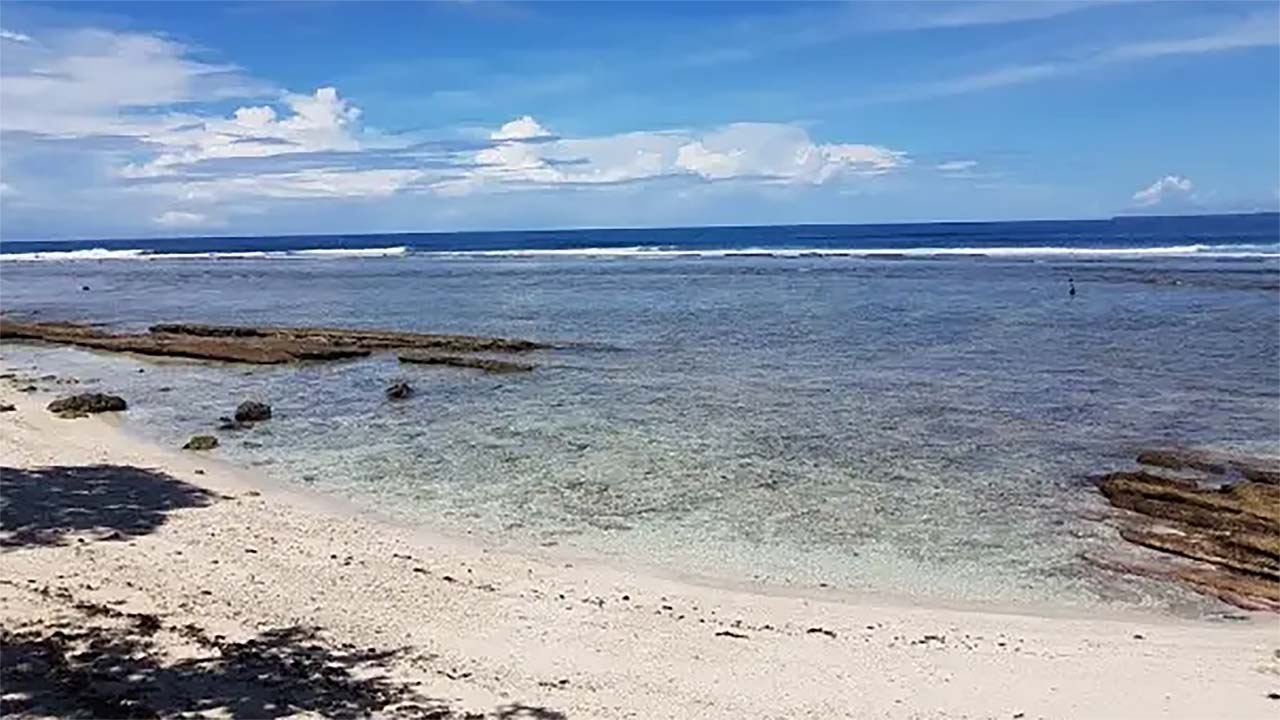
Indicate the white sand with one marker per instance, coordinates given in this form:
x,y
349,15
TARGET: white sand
x,y
485,629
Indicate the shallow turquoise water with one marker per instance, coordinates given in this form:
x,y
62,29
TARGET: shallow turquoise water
x,y
922,427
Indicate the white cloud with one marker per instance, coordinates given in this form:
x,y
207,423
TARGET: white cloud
x,y
312,183
14,36
92,82
181,219
526,154
320,122
956,166
1251,32
125,119
522,128
1170,191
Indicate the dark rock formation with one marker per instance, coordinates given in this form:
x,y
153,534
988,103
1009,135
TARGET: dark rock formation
x,y
260,345
1225,517
85,403
7,407
201,442
486,364
252,411
399,391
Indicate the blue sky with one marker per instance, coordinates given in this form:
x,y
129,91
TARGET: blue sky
x,y
155,119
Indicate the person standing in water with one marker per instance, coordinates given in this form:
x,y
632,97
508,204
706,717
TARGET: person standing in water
x,y
1071,284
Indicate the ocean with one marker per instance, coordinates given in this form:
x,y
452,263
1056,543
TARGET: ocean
x,y
906,410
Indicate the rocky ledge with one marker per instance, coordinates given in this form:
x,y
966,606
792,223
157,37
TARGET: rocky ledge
x,y
1216,514
259,345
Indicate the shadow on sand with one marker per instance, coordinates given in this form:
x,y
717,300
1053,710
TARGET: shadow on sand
x,y
46,505
89,670
89,660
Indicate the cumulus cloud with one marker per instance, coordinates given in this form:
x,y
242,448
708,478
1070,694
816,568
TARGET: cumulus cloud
x,y
1169,192
129,121
526,154
314,123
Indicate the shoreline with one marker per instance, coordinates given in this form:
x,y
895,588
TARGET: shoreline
x,y
249,480
484,627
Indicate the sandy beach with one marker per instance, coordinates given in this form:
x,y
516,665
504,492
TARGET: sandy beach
x,y
229,596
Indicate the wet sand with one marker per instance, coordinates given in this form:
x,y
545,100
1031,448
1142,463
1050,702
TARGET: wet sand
x,y
228,595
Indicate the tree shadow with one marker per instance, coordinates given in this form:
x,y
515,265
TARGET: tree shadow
x,y
111,664
44,506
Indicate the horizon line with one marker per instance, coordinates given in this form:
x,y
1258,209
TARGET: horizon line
x,y
403,233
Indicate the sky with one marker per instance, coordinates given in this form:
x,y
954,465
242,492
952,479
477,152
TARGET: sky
x,y
166,119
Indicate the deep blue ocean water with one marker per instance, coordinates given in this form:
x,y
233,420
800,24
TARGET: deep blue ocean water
x,y
911,410
1171,235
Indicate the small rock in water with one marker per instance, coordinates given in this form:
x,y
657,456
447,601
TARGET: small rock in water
x,y
84,287
399,391
201,442
79,405
226,423
253,411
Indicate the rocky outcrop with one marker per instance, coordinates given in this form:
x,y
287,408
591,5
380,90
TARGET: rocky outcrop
x,y
399,391
365,339
489,365
201,442
259,345
251,411
87,403
1219,510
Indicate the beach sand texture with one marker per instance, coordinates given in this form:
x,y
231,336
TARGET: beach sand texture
x,y
202,590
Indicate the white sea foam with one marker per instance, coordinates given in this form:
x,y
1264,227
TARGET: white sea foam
x,y
141,254
90,254
640,251
352,252
667,252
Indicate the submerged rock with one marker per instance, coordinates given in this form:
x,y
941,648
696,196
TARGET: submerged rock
x,y
260,345
489,365
226,423
252,411
201,442
1214,463
1226,518
85,403
399,391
